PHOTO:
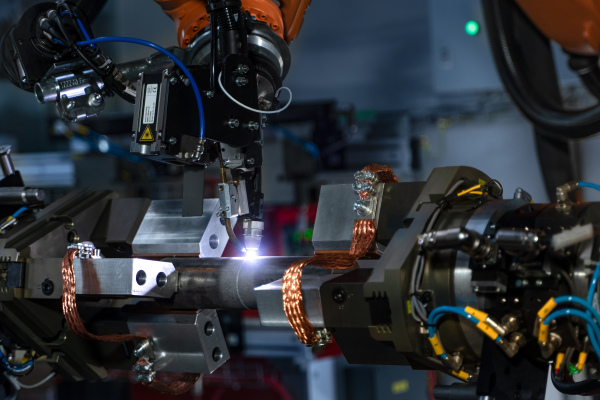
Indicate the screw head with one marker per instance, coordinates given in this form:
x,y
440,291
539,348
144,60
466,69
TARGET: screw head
x,y
172,140
243,69
362,207
241,81
233,123
339,295
70,105
250,161
173,80
538,282
95,100
253,125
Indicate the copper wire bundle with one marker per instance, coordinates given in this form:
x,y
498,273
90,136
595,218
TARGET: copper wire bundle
x,y
363,237
69,306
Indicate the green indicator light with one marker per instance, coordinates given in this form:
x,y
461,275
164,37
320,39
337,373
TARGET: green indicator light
x,y
308,234
472,28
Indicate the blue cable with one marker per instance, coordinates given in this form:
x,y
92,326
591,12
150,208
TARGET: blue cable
x,y
588,185
590,300
567,312
19,212
165,52
81,26
590,311
439,312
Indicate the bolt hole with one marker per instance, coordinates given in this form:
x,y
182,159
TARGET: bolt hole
x,y
140,277
72,237
161,279
213,241
217,354
209,328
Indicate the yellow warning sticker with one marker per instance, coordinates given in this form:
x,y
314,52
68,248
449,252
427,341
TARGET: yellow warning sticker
x,y
147,136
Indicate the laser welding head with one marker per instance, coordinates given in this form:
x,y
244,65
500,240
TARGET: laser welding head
x,y
253,234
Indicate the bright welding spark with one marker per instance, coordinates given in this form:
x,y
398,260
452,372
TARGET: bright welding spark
x,y
251,255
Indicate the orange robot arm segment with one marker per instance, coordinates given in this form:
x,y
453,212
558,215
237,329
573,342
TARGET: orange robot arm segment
x,y
190,16
574,24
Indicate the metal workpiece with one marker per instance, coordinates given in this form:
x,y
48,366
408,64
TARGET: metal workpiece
x,y
270,301
253,234
21,195
125,277
225,283
165,232
183,342
6,163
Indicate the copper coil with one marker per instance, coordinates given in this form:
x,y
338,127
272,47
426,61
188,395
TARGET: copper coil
x,y
363,237
293,305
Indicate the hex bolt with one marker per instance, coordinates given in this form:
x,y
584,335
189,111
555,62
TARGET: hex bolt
x,y
140,350
241,81
233,123
210,94
70,105
95,100
173,80
362,208
172,140
253,125
137,367
139,377
243,69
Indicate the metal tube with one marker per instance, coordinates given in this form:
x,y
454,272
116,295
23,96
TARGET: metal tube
x,y
6,163
21,195
226,283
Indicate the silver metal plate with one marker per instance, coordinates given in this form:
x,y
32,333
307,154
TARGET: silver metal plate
x,y
125,277
164,231
183,342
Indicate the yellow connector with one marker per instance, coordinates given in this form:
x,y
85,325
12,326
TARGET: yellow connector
x,y
480,315
437,345
559,359
462,375
582,360
469,190
547,309
543,335
488,330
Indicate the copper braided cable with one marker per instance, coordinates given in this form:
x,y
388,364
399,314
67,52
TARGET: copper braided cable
x,y
69,306
386,173
363,237
182,385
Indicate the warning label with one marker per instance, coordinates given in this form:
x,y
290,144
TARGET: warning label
x,y
150,103
147,136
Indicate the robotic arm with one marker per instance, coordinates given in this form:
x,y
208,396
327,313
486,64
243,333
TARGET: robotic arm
x,y
223,82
